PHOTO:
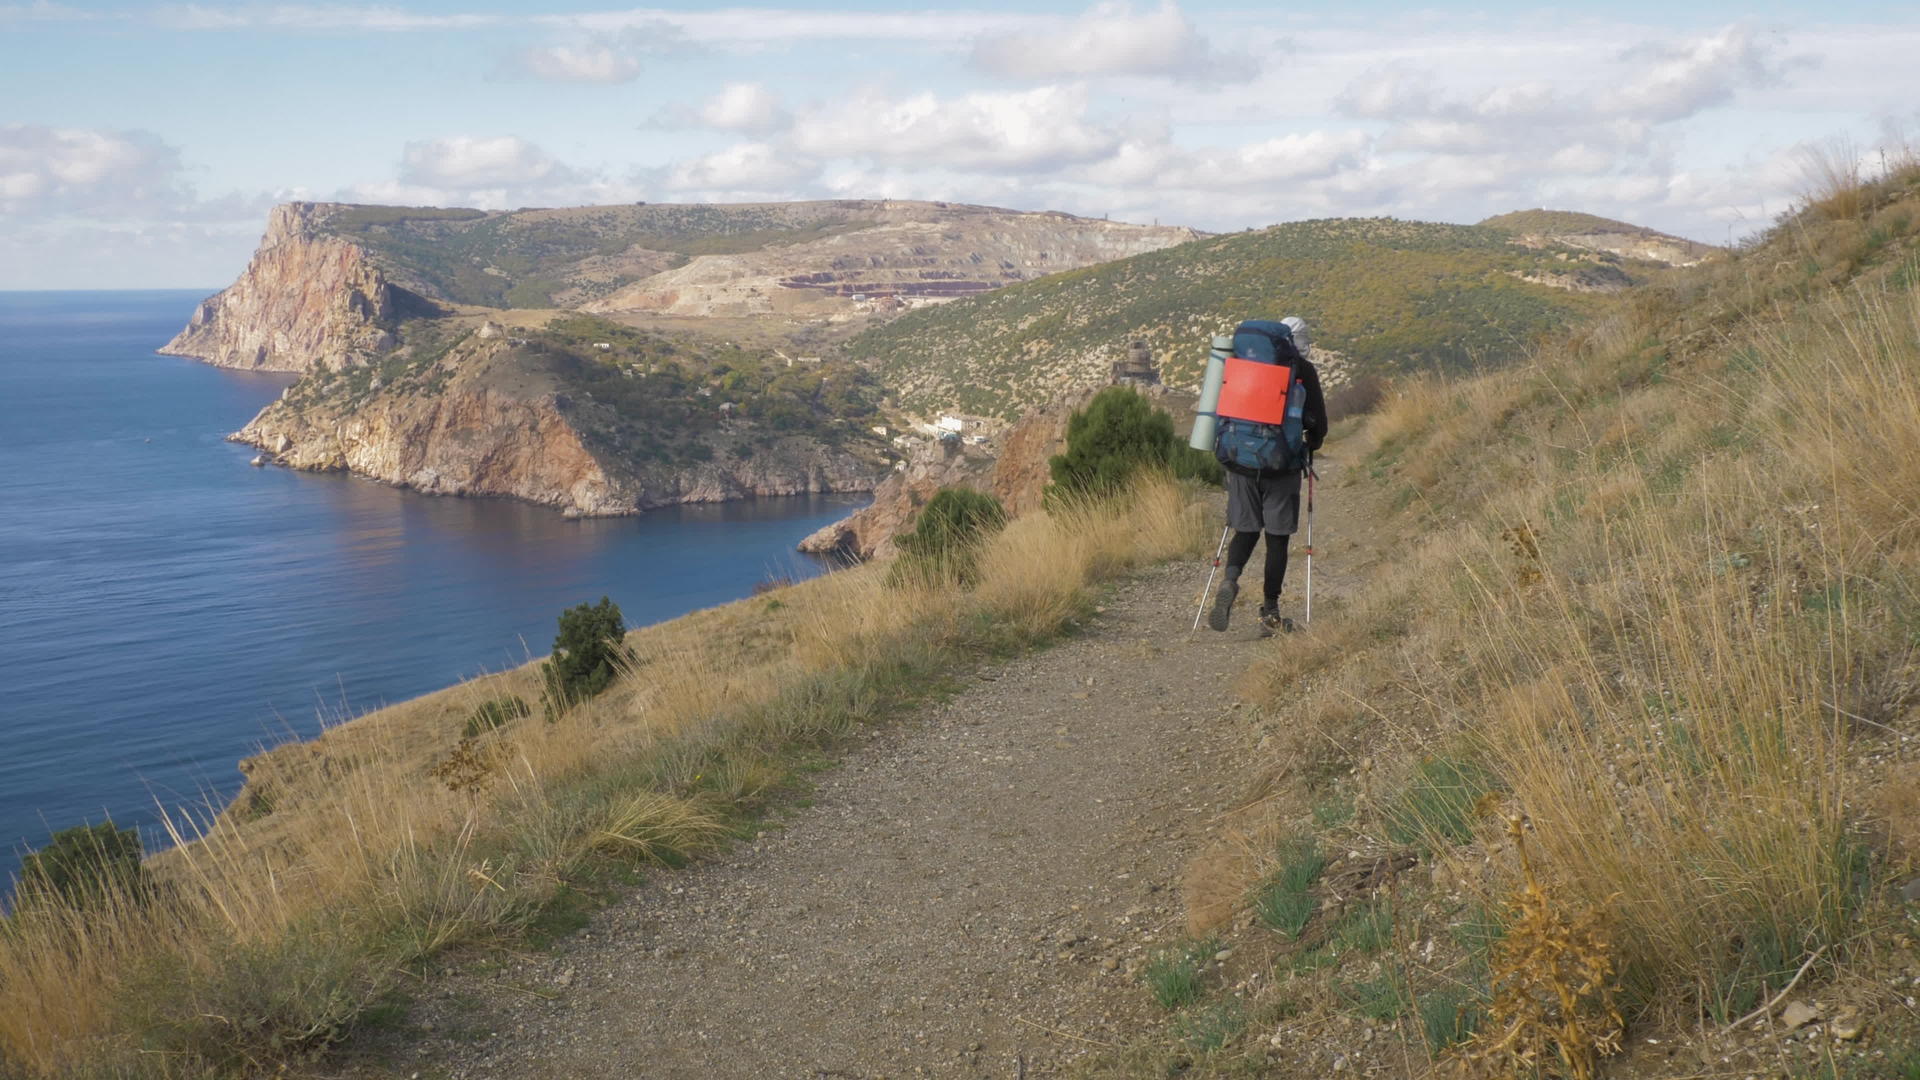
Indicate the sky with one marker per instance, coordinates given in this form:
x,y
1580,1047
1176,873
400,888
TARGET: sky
x,y
141,145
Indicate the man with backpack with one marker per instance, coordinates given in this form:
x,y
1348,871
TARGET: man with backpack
x,y
1272,417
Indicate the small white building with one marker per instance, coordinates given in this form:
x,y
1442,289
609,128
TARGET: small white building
x,y
603,346
951,423
880,430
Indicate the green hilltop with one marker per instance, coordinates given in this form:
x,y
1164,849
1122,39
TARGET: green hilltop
x,y
1561,222
1387,295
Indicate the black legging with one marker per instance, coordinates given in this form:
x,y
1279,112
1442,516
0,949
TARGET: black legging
x,y
1240,549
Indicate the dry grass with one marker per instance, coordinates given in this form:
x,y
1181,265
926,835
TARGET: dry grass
x,y
1713,603
349,858
1831,171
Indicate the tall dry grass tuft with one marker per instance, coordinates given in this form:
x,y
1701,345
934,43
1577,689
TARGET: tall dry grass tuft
x,y
1676,681
1664,726
1032,575
1832,175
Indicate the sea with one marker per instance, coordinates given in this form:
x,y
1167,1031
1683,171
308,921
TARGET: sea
x,y
166,610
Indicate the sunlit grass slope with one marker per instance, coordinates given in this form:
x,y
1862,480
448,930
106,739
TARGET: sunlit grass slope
x,y
1388,295
1657,591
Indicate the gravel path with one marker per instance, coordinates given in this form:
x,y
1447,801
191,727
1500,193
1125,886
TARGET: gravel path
x,y
968,894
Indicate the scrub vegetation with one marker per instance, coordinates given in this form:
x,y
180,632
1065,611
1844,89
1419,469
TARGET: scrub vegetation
x,y
1621,713
643,397
523,258
1390,296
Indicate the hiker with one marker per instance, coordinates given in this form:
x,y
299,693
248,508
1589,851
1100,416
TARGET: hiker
x,y
1266,497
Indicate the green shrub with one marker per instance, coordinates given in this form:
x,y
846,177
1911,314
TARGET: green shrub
x,y
947,533
586,654
1118,433
84,865
492,714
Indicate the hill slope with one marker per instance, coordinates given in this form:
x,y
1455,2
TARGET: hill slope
x,y
1592,233
331,282
583,415
1386,295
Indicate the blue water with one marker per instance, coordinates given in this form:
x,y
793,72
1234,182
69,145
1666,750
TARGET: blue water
x,y
166,610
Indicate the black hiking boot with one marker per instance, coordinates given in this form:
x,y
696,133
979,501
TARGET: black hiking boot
x,y
1223,604
1272,622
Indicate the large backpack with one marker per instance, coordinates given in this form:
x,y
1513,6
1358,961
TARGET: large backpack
x,y
1261,428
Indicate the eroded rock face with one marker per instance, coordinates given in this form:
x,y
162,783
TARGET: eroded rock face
x,y
305,300
494,428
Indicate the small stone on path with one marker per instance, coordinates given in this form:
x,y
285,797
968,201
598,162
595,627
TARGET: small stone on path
x,y
1799,1014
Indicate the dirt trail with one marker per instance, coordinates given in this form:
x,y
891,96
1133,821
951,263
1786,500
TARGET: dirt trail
x,y
970,890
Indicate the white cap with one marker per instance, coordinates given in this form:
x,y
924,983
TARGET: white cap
x,y
1299,327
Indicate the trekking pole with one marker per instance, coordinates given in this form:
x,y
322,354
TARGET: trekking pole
x,y
1310,478
1209,585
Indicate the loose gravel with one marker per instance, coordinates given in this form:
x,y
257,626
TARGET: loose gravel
x,y
970,892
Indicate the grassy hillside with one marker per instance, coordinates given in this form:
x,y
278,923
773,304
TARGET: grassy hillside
x,y
1559,222
648,398
523,258
1650,622
1392,296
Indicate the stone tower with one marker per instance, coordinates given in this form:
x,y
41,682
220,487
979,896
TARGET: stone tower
x,y
1137,369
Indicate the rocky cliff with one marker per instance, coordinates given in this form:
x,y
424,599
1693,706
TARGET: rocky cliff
x,y
488,418
308,298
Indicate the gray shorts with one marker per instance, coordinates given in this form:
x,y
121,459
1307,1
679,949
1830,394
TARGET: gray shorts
x,y
1263,505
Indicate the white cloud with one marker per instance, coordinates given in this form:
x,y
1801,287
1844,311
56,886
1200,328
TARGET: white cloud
x,y
1313,155
750,27
86,207
1109,39
1682,80
752,166
1393,92
589,62
1029,131
47,170
605,58
43,11
313,17
745,107
471,163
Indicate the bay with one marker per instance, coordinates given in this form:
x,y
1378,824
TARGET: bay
x,y
166,610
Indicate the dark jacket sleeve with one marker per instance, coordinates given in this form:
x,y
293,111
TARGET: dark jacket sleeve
x,y
1314,416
